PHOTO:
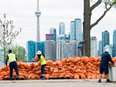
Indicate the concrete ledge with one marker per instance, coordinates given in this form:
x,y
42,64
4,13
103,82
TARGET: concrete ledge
x,y
53,81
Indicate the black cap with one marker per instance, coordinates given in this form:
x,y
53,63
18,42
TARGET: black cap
x,y
10,51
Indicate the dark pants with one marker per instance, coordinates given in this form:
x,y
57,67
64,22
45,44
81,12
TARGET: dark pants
x,y
104,68
42,69
13,65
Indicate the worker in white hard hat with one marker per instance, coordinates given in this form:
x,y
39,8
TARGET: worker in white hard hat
x,y
105,58
42,60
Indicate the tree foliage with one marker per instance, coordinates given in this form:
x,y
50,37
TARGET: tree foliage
x,y
18,51
7,33
87,25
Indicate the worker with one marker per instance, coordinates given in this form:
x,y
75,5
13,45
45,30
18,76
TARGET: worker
x,y
12,63
41,58
105,58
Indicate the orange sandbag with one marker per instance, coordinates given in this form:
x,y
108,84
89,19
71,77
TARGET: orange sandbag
x,y
1,78
20,73
22,67
4,67
94,76
34,77
89,77
47,76
38,72
25,76
8,72
7,76
76,76
20,76
38,77
83,76
36,58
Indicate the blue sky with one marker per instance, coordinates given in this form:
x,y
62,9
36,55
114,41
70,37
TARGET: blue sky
x,y
22,12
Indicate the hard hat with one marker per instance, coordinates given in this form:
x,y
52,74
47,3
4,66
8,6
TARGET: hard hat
x,y
10,51
107,50
39,52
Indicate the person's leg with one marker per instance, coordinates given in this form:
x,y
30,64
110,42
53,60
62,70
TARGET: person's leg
x,y
101,72
16,69
11,69
106,73
42,71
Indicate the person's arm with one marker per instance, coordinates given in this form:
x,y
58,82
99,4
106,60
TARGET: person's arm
x,y
109,57
43,55
16,58
6,60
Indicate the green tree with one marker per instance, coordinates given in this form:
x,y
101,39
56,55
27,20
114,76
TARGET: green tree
x,y
7,34
87,25
18,51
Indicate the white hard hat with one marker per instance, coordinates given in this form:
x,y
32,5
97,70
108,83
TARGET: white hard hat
x,y
39,52
107,50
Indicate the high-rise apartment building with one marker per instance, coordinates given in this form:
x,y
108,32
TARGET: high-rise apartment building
x,y
105,39
114,43
66,49
31,50
75,30
94,47
61,28
40,46
100,48
50,49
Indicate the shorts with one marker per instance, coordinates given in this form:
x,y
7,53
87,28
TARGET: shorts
x,y
104,68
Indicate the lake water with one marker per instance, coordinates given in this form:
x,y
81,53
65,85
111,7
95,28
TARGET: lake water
x,y
2,64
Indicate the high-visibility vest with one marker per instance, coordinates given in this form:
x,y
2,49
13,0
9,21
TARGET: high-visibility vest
x,y
42,60
11,57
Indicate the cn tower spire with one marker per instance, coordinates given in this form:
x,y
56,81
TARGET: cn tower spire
x,y
38,13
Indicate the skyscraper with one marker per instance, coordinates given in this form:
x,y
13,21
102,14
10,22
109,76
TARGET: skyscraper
x,y
75,30
100,48
94,47
66,49
38,13
31,51
105,39
72,31
114,43
40,46
53,31
50,49
78,30
61,28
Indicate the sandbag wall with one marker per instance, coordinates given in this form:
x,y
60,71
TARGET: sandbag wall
x,y
72,68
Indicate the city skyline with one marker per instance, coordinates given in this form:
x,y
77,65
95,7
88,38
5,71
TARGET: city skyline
x,y
53,12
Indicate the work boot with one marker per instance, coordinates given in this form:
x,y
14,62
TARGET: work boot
x,y
108,80
43,77
17,77
99,81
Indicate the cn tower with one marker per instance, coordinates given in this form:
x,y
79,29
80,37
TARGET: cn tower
x,y
38,13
